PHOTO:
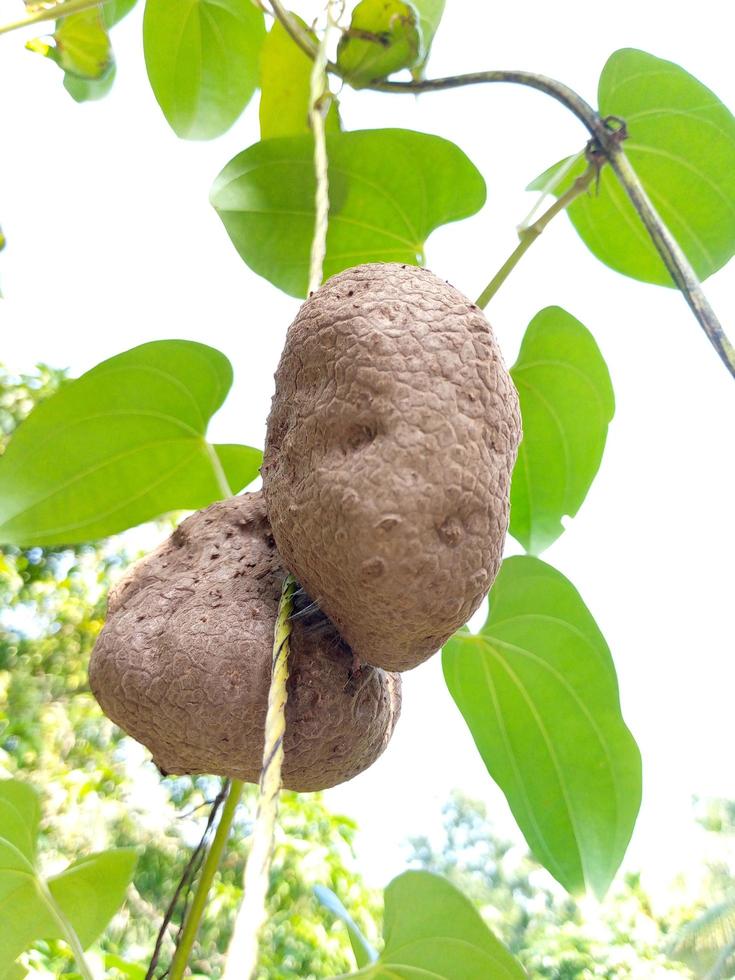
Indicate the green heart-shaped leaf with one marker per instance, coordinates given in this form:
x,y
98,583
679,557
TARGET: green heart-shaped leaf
x,y
91,890
388,190
567,403
431,930
538,690
682,146
202,59
84,897
120,445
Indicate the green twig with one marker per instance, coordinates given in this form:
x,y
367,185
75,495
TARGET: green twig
x,y
319,100
530,233
51,13
209,869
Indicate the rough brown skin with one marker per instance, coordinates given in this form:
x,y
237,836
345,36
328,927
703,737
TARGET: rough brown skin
x,y
183,662
391,440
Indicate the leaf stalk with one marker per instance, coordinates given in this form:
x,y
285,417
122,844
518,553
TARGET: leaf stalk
x,y
242,955
530,233
209,869
51,13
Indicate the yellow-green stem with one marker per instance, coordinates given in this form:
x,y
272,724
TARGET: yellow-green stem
x,y
529,234
242,956
51,13
209,869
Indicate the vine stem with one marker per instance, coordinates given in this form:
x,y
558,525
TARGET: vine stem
x,y
242,956
51,13
319,99
677,264
529,233
209,869
67,930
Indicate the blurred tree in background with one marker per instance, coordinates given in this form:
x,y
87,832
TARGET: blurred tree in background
x,y
707,940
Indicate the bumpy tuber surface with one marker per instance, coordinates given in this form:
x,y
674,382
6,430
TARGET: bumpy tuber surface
x,y
391,440
183,662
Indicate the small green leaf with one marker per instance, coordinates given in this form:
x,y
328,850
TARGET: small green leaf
x,y
364,952
382,38
430,925
388,190
430,13
285,79
91,890
682,146
567,403
120,445
81,46
89,89
202,59
431,930
538,690
86,895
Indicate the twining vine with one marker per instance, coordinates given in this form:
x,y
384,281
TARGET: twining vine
x,y
605,131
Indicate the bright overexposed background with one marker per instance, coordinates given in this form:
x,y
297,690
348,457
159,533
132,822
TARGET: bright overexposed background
x,y
112,242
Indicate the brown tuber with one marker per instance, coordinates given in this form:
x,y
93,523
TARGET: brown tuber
x,y
391,439
183,662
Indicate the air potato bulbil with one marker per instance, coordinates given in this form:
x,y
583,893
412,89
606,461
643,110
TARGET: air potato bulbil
x,y
391,439
183,661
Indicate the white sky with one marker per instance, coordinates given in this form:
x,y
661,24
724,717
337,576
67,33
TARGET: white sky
x,y
112,242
